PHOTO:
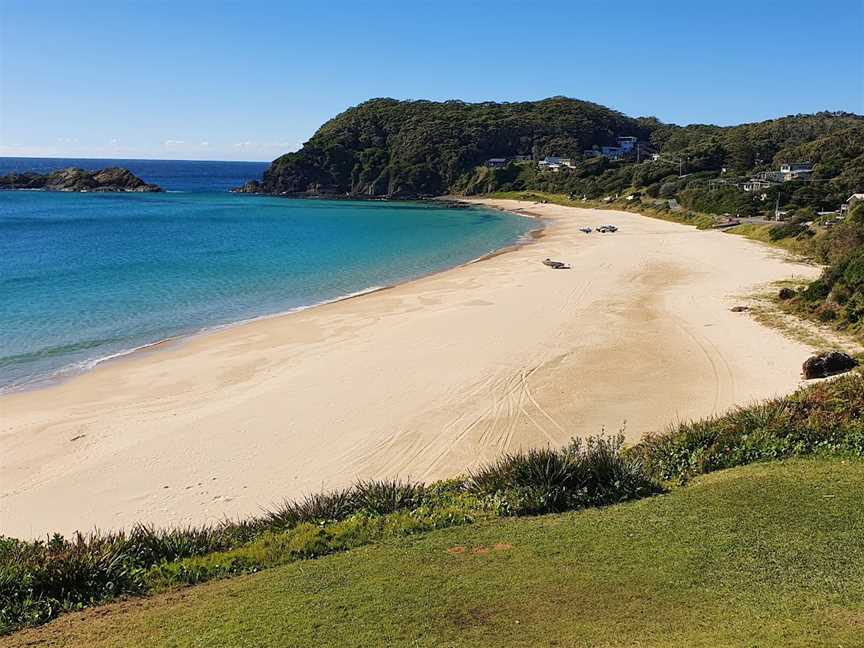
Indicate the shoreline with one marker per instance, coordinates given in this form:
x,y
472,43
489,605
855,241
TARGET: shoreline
x,y
74,370
423,379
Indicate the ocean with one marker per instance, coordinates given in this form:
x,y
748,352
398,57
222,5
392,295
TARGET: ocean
x,y
89,276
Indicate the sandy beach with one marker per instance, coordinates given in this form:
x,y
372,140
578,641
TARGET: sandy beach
x,y
423,380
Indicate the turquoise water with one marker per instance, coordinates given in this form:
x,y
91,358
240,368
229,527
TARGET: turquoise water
x,y
84,277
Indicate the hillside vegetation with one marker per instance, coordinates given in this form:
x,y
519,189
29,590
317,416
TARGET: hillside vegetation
x,y
385,147
838,295
692,156
390,148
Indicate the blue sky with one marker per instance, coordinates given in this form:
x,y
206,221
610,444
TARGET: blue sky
x,y
251,80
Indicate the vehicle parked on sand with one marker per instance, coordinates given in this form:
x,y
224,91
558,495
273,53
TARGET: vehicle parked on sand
x,y
603,229
556,265
587,230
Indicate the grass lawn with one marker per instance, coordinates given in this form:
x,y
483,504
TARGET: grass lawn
x,y
763,555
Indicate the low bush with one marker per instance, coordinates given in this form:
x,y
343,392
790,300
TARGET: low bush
x,y
590,473
825,418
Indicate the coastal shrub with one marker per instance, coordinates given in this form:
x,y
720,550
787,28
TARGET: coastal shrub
x,y
590,473
148,545
787,230
376,497
316,507
825,418
38,580
387,496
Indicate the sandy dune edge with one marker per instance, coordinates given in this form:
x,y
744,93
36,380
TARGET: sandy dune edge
x,y
422,380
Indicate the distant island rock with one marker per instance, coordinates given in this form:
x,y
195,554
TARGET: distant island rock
x,y
72,179
252,186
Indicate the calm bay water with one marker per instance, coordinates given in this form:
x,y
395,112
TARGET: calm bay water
x,y
88,276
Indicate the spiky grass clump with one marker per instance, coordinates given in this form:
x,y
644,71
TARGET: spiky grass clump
x,y
591,473
316,507
373,497
40,579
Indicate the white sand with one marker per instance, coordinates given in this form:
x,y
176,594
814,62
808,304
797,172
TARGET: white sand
x,y
422,380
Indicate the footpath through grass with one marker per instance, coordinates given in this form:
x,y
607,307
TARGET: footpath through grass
x,y
763,555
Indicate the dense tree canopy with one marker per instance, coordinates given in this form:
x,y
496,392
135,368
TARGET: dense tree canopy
x,y
386,147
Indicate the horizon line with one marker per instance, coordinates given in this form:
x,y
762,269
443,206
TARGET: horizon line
x,y
131,159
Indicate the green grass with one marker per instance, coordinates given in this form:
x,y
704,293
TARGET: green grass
x,y
763,555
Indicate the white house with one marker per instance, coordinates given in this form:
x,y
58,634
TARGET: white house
x,y
856,197
626,146
755,184
796,171
550,159
554,163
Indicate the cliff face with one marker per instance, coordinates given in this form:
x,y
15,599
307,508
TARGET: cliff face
x,y
385,147
72,179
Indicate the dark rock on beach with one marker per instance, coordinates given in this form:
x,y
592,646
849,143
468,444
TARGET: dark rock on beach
x,y
786,293
72,179
740,309
828,364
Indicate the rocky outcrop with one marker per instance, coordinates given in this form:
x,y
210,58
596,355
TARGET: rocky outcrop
x,y
828,364
785,294
72,179
251,187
